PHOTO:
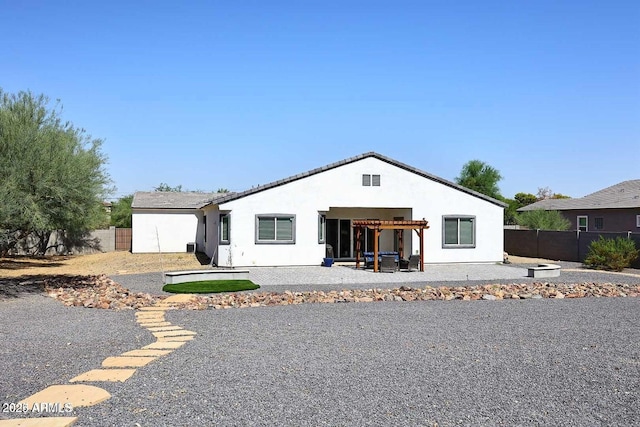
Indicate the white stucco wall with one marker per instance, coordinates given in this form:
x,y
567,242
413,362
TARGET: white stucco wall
x,y
342,187
175,228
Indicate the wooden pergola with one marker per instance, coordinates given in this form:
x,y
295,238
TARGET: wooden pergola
x,y
398,225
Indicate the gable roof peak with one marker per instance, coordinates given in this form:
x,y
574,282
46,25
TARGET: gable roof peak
x,y
373,154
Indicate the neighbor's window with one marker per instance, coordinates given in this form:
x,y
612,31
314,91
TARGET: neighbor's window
x,y
375,180
366,180
322,228
582,223
459,232
224,229
275,228
598,223
638,221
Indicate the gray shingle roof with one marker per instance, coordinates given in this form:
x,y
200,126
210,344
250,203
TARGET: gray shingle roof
x,y
233,196
620,196
172,200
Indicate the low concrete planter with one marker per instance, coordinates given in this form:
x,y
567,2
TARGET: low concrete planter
x,y
174,277
544,270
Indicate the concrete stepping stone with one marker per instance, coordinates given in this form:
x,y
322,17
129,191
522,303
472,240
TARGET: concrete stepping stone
x,y
127,362
76,394
151,317
154,324
175,299
110,375
40,422
178,338
164,345
164,328
146,352
175,333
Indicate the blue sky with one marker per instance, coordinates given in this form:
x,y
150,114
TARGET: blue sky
x,y
240,93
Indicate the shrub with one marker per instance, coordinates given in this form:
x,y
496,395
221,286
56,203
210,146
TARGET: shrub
x,y
611,254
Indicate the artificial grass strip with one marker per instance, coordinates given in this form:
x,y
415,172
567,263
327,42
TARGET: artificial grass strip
x,y
210,286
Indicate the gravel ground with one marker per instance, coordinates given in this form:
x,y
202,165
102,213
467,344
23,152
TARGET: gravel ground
x,y
45,343
527,362
544,362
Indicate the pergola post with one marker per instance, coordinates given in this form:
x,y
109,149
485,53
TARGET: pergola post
x,y
376,234
421,249
358,233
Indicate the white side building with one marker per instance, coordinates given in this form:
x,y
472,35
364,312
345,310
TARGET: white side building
x,y
291,221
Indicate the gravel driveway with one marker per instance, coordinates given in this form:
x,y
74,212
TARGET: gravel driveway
x,y
527,362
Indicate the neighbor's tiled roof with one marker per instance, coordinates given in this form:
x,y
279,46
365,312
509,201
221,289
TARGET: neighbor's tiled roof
x,y
620,196
172,199
233,196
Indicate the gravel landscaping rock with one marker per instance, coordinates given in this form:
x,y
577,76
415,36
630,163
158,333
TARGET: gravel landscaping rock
x,y
45,343
546,362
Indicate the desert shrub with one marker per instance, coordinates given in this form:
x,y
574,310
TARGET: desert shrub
x,y
611,254
540,219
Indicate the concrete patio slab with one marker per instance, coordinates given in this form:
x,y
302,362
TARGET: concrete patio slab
x,y
75,394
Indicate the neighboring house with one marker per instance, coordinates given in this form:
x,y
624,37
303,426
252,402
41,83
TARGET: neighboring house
x,y
290,222
615,208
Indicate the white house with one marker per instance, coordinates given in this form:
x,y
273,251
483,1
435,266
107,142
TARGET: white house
x,y
291,221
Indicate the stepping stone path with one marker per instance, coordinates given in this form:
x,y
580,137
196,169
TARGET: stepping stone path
x,y
114,369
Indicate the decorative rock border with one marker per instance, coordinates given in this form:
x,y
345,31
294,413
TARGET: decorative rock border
x,y
102,292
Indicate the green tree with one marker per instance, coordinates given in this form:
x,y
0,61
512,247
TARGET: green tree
x,y
166,187
479,176
540,219
53,176
524,199
121,212
222,190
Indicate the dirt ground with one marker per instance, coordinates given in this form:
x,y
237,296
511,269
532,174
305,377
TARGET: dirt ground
x,y
123,262
109,263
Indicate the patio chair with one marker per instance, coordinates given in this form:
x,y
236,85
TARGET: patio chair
x,y
410,264
388,263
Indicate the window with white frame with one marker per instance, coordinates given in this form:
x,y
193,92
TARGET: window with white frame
x,y
638,221
375,180
322,228
583,223
458,231
224,229
278,228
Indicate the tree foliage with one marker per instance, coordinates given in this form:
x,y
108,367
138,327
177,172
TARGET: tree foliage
x,y
525,199
479,176
540,219
547,193
166,187
53,176
121,212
